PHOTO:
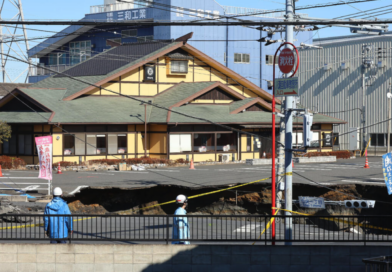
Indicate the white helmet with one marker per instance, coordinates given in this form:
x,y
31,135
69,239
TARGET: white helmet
x,y
181,199
57,191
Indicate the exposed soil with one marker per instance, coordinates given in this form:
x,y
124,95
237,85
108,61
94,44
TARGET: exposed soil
x,y
251,199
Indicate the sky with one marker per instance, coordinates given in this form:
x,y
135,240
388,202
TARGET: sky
x,y
76,9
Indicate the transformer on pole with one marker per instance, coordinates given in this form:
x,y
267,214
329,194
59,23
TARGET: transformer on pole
x,y
13,41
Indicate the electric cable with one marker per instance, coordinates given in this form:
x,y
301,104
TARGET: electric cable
x,y
148,103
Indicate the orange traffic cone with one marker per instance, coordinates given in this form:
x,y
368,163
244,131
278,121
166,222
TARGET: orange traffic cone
x,y
192,167
59,169
1,173
366,163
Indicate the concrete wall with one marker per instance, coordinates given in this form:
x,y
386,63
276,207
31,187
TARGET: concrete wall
x,y
135,258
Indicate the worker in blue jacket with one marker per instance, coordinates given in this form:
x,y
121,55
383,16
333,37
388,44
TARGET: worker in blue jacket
x,y
180,224
58,227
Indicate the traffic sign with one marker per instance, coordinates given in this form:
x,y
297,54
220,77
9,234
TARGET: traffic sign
x,y
311,202
286,86
286,61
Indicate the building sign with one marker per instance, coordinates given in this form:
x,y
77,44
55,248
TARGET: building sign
x,y
286,86
311,202
127,15
44,149
286,61
149,73
327,139
387,170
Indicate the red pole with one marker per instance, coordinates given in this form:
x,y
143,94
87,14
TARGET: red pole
x,y
273,174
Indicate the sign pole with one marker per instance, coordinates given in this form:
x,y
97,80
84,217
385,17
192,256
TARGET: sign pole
x,y
288,224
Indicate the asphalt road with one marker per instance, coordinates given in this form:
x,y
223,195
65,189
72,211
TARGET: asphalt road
x,y
341,172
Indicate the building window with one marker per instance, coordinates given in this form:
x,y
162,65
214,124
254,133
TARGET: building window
x,y
241,58
91,145
101,144
80,144
69,145
269,60
180,143
315,140
179,66
377,139
297,139
117,143
145,38
226,142
19,144
57,58
79,51
335,139
129,33
248,142
204,142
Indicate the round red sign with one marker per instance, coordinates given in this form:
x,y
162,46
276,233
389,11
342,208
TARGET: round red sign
x,y
286,61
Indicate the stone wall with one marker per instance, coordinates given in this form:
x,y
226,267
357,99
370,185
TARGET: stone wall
x,y
187,258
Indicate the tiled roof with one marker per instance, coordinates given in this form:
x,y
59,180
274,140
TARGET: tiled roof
x,y
5,88
74,86
110,60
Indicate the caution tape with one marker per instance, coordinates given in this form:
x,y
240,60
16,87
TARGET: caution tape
x,y
338,220
217,191
40,224
268,226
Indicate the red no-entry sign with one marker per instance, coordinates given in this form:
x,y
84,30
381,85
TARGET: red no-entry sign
x,y
286,61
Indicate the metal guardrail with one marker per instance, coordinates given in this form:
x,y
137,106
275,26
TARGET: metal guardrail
x,y
40,71
378,264
203,228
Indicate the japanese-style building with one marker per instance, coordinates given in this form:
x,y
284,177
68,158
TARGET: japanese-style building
x,y
96,109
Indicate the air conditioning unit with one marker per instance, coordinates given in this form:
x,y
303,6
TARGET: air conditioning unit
x,y
359,204
381,64
327,66
344,66
224,158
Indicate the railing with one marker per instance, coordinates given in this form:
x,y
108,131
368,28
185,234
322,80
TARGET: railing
x,y
229,10
116,7
40,71
203,228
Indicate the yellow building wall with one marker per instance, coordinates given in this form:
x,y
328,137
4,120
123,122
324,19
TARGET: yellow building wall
x,y
217,76
95,91
203,157
148,89
90,158
245,156
71,159
131,143
140,143
115,87
158,142
203,101
158,156
176,157
130,88
202,74
131,76
163,87
57,144
238,89
131,156
249,93
55,160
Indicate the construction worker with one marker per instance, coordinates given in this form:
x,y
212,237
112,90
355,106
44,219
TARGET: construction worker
x,y
180,224
57,227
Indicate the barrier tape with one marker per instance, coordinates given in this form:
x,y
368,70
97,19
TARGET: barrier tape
x,y
338,220
40,224
267,227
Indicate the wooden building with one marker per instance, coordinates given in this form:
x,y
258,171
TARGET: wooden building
x,y
96,109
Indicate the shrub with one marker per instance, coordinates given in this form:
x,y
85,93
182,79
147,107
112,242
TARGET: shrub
x,y
343,154
11,163
181,161
132,161
64,164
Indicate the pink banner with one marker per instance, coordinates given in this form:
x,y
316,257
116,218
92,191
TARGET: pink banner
x,y
44,149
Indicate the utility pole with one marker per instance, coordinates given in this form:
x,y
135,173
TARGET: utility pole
x,y
145,130
288,137
389,96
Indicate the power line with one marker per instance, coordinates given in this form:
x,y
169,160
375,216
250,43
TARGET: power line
x,y
148,103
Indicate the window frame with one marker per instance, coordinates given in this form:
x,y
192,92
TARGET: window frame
x,y
241,57
179,66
